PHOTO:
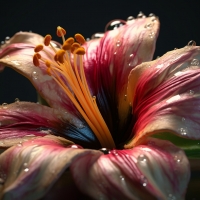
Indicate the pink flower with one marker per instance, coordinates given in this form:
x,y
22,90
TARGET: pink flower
x,y
96,134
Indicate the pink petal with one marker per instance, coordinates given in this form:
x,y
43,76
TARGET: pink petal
x,y
18,54
157,169
165,95
22,121
109,60
29,171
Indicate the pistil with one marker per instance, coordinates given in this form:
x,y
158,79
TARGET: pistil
x,y
72,79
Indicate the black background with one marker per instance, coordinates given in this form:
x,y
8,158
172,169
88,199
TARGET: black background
x,y
180,22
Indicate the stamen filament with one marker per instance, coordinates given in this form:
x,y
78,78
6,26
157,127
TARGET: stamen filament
x,y
74,83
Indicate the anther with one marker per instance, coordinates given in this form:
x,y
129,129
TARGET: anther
x,y
60,54
38,48
74,46
80,51
36,60
47,63
60,31
47,40
80,38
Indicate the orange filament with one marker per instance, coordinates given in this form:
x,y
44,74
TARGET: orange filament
x,y
74,83
38,48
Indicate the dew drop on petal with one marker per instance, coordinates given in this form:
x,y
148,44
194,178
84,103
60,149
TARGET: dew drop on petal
x,y
118,43
142,158
191,43
105,150
141,15
34,75
183,131
144,181
17,100
4,105
115,24
148,26
151,15
151,35
1,181
171,197
121,178
97,35
25,164
183,119
191,92
26,169
2,42
195,62
130,18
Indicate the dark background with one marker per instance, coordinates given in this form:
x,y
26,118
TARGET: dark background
x,y
180,22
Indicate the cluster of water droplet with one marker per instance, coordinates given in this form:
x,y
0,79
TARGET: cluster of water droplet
x,y
5,41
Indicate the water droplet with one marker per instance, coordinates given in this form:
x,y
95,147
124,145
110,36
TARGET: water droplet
x,y
125,97
149,25
141,15
4,105
191,92
122,178
7,57
118,43
26,169
183,119
151,35
198,143
115,24
183,131
87,39
171,197
151,15
1,181
75,146
115,152
130,18
7,39
105,150
97,35
25,164
115,53
2,42
17,100
142,158
195,62
34,75
144,181
191,43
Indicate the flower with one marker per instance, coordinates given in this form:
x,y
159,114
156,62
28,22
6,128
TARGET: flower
x,y
111,101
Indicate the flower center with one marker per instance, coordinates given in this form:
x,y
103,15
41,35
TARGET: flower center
x,y
72,80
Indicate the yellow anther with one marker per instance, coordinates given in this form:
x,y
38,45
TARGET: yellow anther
x,y
80,51
60,31
67,44
47,63
80,38
47,40
74,46
38,48
60,55
36,60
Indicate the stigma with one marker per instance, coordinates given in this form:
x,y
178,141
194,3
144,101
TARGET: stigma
x,y
70,76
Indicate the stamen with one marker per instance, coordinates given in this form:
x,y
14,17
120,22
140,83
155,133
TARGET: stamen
x,y
76,88
80,38
47,40
38,48
80,51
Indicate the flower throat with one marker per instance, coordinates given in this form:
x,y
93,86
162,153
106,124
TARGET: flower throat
x,y
61,70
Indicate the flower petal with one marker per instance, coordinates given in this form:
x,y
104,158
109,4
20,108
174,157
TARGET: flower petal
x,y
22,120
156,169
18,54
109,60
42,157
165,95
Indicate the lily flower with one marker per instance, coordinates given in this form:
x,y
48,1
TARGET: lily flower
x,y
106,101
